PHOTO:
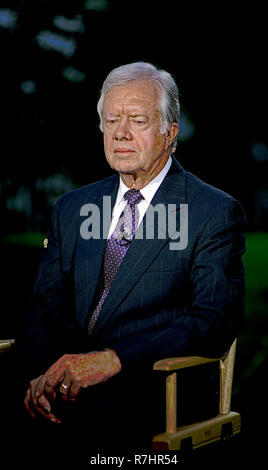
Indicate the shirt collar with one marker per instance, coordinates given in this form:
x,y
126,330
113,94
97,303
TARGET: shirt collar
x,y
150,189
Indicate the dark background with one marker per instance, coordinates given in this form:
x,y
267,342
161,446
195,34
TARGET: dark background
x,y
49,93
50,141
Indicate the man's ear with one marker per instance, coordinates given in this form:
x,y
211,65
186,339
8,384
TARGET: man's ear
x,y
171,134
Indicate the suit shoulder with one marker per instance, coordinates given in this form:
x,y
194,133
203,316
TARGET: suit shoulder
x,y
197,188
199,191
211,202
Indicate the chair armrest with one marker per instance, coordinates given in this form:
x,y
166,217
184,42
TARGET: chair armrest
x,y
176,363
172,364
6,344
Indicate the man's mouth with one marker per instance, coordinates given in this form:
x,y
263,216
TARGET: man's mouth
x,y
124,151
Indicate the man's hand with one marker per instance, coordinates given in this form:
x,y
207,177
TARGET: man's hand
x,y
38,405
65,378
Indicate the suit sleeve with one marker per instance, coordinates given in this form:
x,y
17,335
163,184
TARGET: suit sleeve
x,y
211,322
47,314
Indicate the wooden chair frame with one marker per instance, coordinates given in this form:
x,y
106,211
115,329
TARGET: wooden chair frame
x,y
6,344
225,424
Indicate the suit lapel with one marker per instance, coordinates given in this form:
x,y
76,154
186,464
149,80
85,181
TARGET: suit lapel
x,y
89,258
142,252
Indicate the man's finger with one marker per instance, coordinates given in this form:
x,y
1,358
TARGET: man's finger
x,y
41,408
37,387
49,390
74,390
44,409
53,379
65,386
43,403
27,403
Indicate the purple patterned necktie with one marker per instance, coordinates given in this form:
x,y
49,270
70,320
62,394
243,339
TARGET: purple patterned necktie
x,y
117,246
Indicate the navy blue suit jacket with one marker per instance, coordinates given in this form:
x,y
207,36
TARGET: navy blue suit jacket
x,y
162,302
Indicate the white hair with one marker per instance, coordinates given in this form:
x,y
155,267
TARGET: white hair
x,y
169,105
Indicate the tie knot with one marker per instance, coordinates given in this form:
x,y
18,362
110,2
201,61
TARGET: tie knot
x,y
133,196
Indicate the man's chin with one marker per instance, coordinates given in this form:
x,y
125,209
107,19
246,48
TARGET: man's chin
x,y
126,167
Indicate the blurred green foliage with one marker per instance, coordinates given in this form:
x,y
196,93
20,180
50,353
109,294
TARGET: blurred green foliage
x,y
252,349
256,270
33,239
254,333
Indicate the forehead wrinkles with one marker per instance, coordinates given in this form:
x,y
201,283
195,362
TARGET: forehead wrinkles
x,y
135,97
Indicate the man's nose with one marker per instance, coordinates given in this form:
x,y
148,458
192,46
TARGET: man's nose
x,y
122,131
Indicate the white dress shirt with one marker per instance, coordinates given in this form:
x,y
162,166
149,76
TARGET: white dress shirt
x,y
148,193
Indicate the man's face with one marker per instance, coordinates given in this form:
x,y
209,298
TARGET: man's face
x,y
133,141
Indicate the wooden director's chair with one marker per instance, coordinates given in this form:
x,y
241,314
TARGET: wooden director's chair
x,y
226,424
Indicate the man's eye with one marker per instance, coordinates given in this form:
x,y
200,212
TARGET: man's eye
x,y
139,122
111,122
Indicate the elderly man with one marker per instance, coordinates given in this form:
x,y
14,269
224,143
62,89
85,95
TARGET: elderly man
x,y
105,308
